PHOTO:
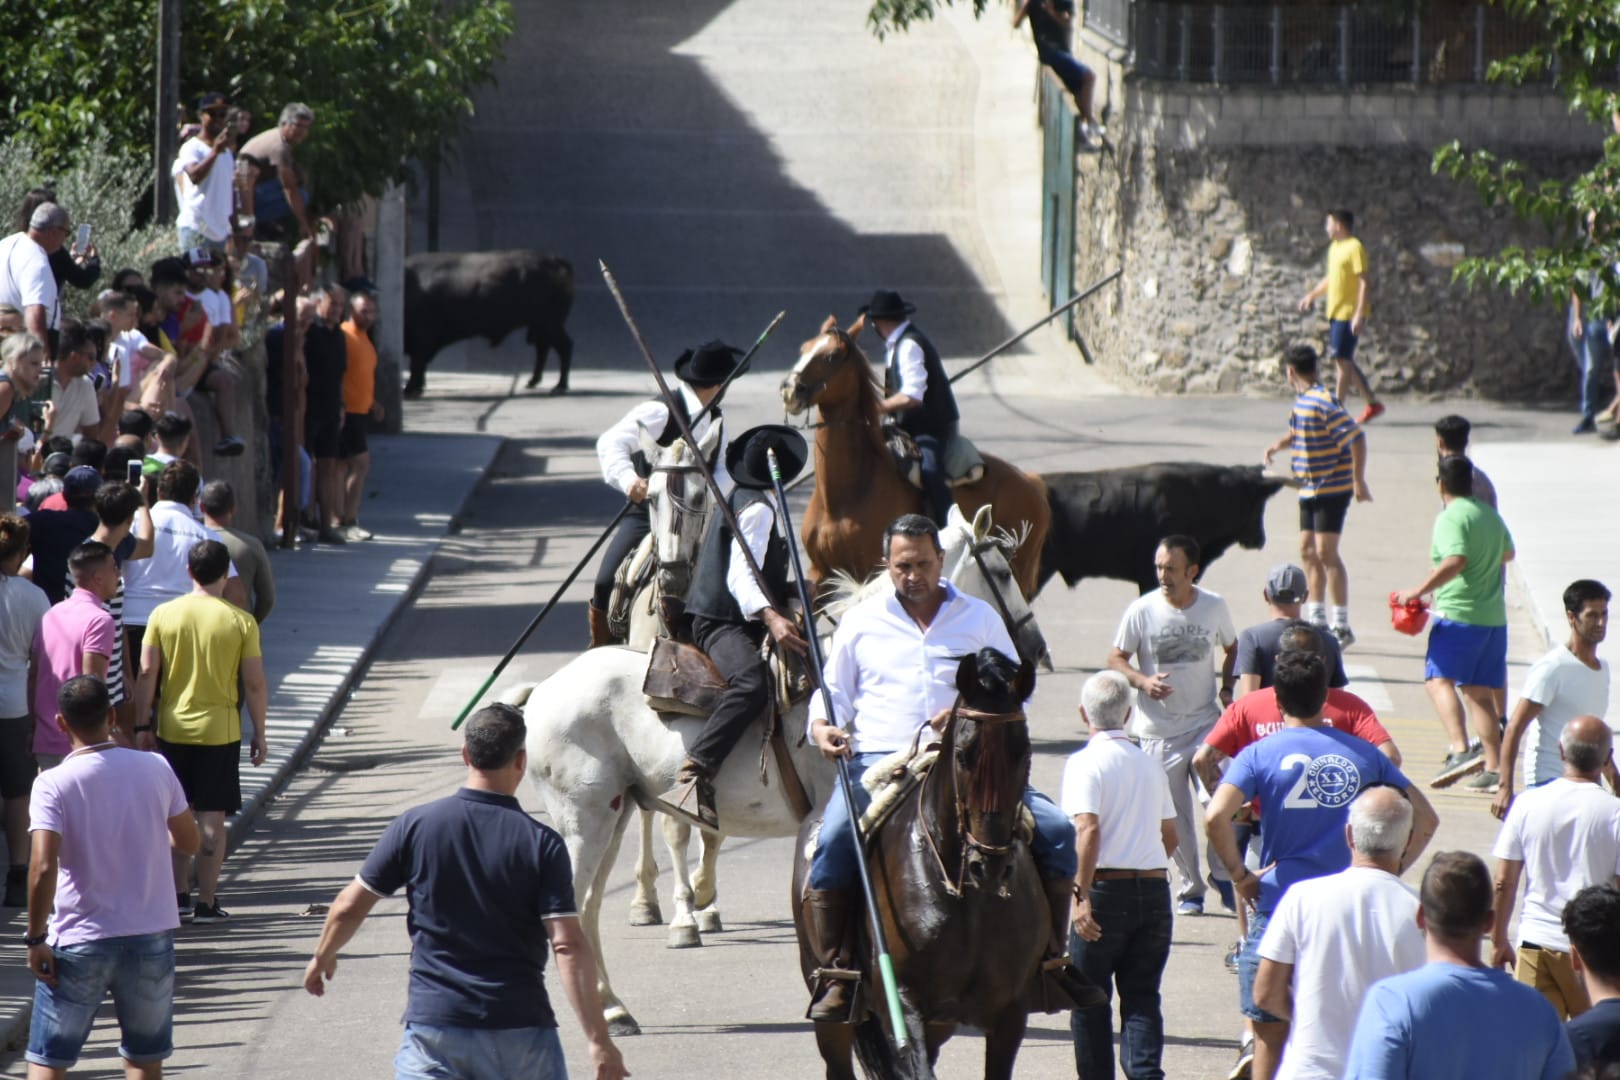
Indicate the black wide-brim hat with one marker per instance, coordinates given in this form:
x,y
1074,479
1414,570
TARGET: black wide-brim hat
x,y
887,305
710,364
748,465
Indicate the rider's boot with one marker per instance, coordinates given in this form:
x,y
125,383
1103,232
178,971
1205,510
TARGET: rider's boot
x,y
693,796
1057,978
600,634
827,918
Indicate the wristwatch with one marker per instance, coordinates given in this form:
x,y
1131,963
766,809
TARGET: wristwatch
x,y
31,940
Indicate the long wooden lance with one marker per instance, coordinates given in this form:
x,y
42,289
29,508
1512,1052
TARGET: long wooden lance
x,y
535,622
891,990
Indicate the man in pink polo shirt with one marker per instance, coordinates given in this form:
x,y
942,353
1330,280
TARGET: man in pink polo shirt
x,y
77,637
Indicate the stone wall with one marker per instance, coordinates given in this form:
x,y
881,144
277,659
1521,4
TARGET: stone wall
x,y
1213,199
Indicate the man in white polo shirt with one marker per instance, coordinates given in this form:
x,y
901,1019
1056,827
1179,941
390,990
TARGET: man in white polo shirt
x,y
1125,830
26,281
1569,681
1560,837
1333,937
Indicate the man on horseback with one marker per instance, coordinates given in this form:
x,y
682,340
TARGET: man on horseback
x,y
891,672
917,393
703,371
731,611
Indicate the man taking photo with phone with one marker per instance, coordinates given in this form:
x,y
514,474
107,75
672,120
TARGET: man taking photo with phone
x,y
203,173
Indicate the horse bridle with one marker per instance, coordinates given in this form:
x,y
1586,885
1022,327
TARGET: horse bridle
x,y
1014,625
812,390
970,843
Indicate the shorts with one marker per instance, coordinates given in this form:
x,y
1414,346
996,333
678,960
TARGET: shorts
x,y
1249,967
17,766
139,970
1552,974
323,432
427,1052
1341,342
211,776
1324,513
1466,654
196,238
352,439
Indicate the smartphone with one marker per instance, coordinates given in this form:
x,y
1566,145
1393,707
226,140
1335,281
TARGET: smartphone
x,y
135,473
82,241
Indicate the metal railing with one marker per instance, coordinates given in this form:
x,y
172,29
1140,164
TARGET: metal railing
x,y
1110,18
1343,46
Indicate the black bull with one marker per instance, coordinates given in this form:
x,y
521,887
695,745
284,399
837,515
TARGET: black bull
x,y
1107,523
451,296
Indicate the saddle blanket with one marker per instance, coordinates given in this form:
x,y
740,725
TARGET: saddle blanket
x,y
963,462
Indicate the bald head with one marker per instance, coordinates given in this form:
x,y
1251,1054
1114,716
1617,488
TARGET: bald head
x,y
1380,825
1585,743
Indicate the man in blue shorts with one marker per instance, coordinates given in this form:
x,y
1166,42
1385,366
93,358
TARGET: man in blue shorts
x,y
1468,637
1345,286
1304,777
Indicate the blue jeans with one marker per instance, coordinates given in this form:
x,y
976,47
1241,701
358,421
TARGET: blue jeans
x,y
460,1053
1595,356
1249,967
936,487
195,238
139,970
834,864
1129,957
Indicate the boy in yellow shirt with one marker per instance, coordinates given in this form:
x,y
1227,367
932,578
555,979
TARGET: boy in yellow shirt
x,y
1345,285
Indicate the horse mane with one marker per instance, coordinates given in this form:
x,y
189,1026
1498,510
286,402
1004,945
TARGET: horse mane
x,y
867,392
844,590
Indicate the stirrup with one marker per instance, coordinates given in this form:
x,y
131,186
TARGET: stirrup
x,y
687,790
826,982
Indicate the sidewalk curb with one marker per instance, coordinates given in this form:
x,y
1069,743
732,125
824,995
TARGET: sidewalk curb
x,y
14,1026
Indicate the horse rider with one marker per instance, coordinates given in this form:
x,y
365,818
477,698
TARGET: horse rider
x,y
891,671
917,393
625,467
731,613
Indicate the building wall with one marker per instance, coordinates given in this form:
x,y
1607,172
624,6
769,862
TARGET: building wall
x,y
1213,199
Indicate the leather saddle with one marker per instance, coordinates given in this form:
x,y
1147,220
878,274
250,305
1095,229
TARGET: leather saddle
x,y
963,462
629,579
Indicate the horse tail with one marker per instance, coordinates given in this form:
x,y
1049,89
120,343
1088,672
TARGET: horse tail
x,y
516,696
881,1061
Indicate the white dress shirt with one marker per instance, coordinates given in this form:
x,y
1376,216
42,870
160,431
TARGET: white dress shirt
x,y
756,522
887,676
619,443
913,368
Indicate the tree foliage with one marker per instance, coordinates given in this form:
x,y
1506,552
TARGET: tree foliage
x,y
390,80
896,16
1580,52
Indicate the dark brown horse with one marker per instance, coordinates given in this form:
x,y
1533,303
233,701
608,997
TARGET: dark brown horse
x,y
858,489
957,891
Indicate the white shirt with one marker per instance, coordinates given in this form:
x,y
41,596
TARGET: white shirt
x,y
22,608
164,576
619,443
1128,791
74,407
217,306
125,352
25,276
888,677
1567,834
756,522
1181,644
205,207
1564,688
1342,933
913,367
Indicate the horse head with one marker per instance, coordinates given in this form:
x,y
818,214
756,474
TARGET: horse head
x,y
678,500
823,374
987,749
978,560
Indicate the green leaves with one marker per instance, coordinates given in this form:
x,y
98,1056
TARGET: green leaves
x,y
898,15
390,80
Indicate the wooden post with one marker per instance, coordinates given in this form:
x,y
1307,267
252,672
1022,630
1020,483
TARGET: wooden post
x,y
292,402
167,133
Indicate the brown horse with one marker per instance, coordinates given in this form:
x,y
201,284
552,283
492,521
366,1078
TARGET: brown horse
x,y
858,489
956,889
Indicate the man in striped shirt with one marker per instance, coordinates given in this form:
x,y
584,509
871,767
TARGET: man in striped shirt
x,y
1330,462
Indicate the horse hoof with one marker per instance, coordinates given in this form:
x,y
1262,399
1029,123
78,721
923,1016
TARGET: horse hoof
x,y
413,390
560,388
708,922
532,383
684,937
622,1026
646,915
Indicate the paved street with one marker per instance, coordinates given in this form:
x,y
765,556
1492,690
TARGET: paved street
x,y
730,160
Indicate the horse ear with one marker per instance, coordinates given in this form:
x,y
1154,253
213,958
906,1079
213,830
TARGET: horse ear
x,y
830,324
856,327
710,440
967,675
1026,680
982,522
648,441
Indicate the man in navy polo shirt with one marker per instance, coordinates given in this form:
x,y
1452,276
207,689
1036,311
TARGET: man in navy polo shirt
x,y
488,887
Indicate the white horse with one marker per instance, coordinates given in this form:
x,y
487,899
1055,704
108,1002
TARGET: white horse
x,y
596,747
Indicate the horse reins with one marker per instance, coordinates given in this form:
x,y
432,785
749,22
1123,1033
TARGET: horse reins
x,y
1013,624
970,843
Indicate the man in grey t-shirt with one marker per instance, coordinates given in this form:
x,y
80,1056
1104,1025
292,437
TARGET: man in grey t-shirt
x,y
1257,645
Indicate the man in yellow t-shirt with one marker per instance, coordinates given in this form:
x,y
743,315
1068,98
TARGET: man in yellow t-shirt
x,y
1345,286
360,404
200,644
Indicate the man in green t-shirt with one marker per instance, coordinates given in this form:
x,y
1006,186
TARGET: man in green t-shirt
x,y
1468,638
200,643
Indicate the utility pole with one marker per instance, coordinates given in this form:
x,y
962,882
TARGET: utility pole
x,y
168,109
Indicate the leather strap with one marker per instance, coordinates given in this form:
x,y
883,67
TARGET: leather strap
x,y
1127,875
792,786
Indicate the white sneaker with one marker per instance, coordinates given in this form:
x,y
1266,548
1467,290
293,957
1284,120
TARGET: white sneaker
x,y
356,533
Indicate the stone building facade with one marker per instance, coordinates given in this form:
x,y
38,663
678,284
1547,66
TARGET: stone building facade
x,y
1212,199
